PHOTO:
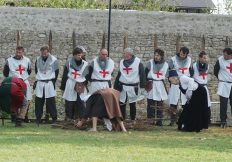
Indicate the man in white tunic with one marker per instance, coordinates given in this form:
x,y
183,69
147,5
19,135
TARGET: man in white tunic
x,y
156,71
223,71
20,67
100,72
181,62
47,70
75,71
130,77
199,72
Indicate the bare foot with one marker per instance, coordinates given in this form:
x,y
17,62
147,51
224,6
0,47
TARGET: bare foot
x,y
124,130
92,130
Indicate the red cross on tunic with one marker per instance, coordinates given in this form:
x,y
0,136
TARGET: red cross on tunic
x,y
182,70
104,73
203,75
230,67
158,74
75,74
20,69
127,70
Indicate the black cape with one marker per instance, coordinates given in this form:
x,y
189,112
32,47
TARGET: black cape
x,y
195,114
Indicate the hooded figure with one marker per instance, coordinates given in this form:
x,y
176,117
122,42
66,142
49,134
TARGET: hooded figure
x,y
194,116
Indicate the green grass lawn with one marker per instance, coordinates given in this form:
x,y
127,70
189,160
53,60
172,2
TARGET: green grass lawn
x,y
44,144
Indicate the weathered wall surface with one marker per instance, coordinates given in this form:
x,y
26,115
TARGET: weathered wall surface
x,y
143,29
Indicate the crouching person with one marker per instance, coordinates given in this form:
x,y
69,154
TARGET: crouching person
x,y
194,116
103,103
13,99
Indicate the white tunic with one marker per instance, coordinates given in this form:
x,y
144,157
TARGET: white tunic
x,y
103,75
158,91
42,84
201,79
225,77
18,68
174,92
74,76
129,75
181,70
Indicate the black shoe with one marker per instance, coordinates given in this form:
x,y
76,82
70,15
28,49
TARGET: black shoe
x,y
13,118
54,121
38,122
26,120
18,123
159,123
47,118
223,125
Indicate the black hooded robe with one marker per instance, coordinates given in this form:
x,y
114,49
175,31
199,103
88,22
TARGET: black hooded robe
x,y
194,116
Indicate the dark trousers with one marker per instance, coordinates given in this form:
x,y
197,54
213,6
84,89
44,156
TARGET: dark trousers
x,y
74,109
223,107
132,110
173,112
50,105
155,108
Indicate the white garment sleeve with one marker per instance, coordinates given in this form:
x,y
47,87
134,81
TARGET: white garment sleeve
x,y
189,94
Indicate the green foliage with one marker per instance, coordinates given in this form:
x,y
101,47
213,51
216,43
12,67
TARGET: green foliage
x,y
154,5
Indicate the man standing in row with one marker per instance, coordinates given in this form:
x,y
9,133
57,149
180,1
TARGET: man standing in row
x,y
223,71
20,67
75,71
100,71
156,72
100,75
181,62
131,75
47,70
199,72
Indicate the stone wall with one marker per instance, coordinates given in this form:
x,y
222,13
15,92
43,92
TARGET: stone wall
x,y
142,31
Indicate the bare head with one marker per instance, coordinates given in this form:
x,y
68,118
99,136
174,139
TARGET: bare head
x,y
203,57
128,53
184,51
19,52
44,51
103,54
77,53
158,55
227,53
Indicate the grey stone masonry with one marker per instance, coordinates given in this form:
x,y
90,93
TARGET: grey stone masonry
x,y
143,31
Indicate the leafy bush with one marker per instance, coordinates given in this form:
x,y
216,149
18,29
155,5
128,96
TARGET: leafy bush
x,y
90,4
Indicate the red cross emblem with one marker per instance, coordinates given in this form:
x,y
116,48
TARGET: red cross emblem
x,y
127,70
182,70
158,74
230,67
104,73
20,69
203,75
75,74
